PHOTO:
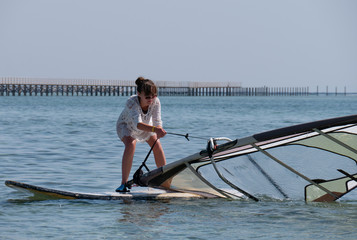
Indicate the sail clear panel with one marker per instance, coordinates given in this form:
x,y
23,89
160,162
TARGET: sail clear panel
x,y
188,181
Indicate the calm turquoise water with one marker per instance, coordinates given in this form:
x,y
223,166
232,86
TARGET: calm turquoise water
x,y
70,143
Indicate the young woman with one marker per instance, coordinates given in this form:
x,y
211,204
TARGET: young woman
x,y
140,121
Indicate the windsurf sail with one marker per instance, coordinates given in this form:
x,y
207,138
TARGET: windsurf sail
x,y
314,161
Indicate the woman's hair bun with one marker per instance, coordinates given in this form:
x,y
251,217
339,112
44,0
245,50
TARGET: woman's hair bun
x,y
139,81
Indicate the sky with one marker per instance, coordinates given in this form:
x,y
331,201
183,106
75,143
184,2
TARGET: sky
x,y
274,43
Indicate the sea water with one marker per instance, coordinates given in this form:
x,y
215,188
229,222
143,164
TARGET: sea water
x,y
70,143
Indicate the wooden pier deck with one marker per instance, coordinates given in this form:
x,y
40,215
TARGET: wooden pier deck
x,y
91,87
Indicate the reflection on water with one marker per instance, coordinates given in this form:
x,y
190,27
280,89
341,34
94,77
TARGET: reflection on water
x,y
143,213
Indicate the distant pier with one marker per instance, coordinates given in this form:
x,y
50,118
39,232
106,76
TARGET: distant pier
x,y
91,87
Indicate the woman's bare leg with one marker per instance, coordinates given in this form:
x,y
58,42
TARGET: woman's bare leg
x,y
128,156
160,158
159,154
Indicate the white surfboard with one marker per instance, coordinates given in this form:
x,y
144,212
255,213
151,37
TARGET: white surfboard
x,y
136,193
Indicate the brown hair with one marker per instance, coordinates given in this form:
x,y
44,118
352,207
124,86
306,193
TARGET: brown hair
x,y
146,85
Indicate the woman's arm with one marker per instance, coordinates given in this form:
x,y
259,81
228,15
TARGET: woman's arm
x,y
160,132
156,114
